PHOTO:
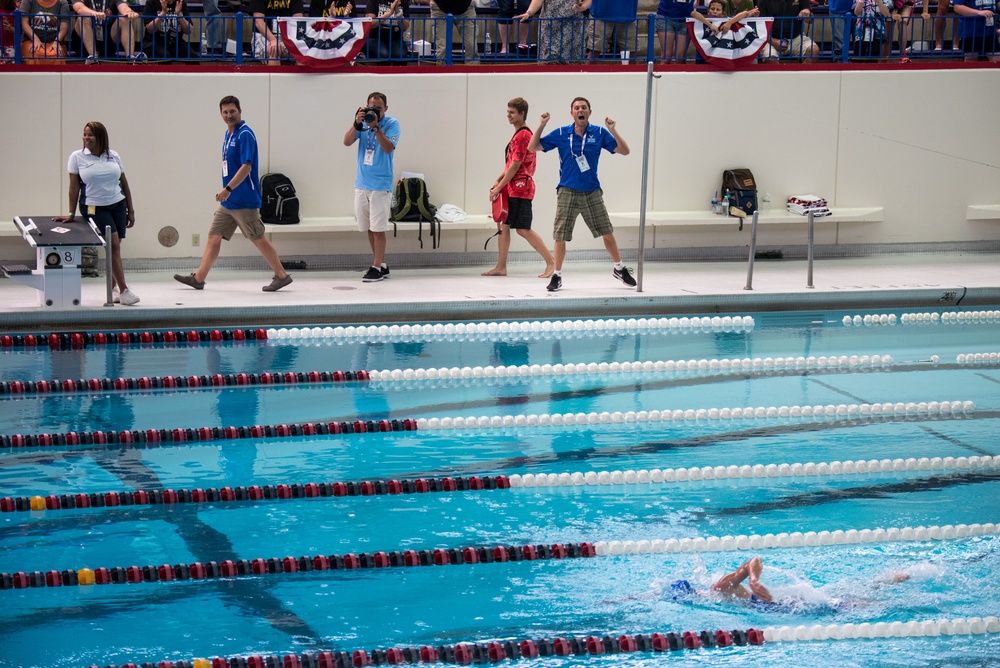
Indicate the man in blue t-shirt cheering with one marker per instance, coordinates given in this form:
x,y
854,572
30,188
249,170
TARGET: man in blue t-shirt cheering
x,y
378,135
239,201
579,191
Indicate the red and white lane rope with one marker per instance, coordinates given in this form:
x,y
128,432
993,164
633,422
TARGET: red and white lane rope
x,y
465,653
836,411
285,491
481,555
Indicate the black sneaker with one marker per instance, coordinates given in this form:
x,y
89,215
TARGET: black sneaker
x,y
385,271
373,275
624,276
555,283
190,280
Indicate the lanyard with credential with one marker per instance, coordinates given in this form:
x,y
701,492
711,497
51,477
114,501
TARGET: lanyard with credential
x,y
581,161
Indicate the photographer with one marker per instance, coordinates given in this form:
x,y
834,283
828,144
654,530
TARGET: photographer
x,y
377,135
166,21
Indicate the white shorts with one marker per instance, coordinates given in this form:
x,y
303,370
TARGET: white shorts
x,y
372,209
796,48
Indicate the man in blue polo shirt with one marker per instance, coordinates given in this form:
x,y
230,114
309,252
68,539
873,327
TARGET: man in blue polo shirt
x,y
239,201
579,191
378,135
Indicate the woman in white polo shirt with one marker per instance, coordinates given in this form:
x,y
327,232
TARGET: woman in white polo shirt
x,y
97,183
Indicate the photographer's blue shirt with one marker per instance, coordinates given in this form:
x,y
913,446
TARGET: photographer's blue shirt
x,y
378,175
570,146
238,149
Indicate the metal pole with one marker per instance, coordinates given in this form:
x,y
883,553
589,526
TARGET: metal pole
x,y
809,253
753,252
645,171
107,264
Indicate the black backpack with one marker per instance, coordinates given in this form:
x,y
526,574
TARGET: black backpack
x,y
410,201
279,205
742,189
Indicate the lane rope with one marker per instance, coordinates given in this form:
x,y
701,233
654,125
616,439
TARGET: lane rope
x,y
603,368
518,330
946,317
159,437
838,411
69,386
465,653
480,554
114,499
77,340
853,412
412,333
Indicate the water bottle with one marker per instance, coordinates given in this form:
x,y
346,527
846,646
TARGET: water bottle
x,y
726,202
765,203
715,202
489,44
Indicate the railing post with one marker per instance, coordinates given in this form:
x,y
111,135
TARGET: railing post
x,y
809,252
651,37
239,38
753,252
449,41
17,36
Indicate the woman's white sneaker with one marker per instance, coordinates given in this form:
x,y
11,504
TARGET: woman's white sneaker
x,y
129,298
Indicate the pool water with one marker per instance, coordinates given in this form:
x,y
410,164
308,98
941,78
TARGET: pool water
x,y
277,614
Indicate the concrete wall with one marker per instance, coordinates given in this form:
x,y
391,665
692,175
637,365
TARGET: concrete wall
x,y
920,143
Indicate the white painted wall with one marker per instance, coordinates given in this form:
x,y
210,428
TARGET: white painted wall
x,y
921,143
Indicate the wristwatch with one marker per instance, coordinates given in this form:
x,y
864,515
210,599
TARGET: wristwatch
x,y
226,187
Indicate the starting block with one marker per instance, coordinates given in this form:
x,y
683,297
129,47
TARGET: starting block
x,y
57,246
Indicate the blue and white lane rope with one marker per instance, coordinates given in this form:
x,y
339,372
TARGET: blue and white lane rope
x,y
837,411
735,365
911,629
794,539
948,317
747,471
518,329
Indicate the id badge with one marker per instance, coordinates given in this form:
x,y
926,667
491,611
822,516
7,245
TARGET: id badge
x,y
91,209
581,162
225,169
369,157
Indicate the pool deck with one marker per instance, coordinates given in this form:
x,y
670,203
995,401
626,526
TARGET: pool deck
x,y
234,297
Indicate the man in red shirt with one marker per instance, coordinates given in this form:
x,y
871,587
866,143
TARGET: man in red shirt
x,y
517,182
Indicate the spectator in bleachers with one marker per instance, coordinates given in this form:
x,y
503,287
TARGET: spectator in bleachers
x,y
266,43
89,26
167,21
671,28
44,29
939,24
978,28
788,37
387,39
464,12
122,29
869,29
838,22
613,29
7,45
901,11
214,29
717,9
337,8
506,10
560,32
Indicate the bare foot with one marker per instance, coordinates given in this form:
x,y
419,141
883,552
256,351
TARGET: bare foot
x,y
548,271
495,272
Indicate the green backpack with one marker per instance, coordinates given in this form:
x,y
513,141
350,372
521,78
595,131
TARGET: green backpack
x,y
410,201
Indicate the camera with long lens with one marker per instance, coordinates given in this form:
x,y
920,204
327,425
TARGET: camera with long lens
x,y
372,114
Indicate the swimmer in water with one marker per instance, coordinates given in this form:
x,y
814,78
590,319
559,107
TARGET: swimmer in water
x,y
731,586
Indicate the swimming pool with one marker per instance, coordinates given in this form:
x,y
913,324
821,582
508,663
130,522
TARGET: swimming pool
x,y
626,419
